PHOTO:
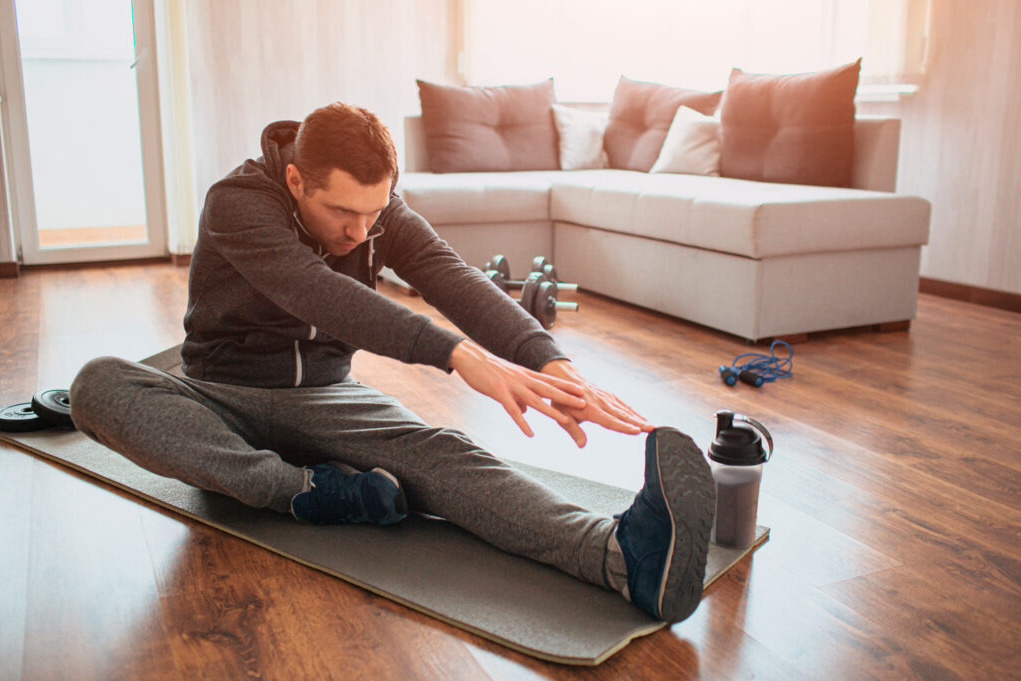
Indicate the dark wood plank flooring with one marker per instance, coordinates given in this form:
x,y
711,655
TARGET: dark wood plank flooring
x,y
894,499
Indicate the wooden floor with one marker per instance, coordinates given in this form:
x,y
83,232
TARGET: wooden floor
x,y
91,236
894,499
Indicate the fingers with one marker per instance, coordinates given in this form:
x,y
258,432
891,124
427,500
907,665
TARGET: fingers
x,y
517,405
549,410
623,412
569,394
516,413
606,410
573,429
573,387
565,398
607,420
629,417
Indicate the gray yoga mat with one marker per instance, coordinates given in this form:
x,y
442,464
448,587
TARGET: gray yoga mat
x,y
424,563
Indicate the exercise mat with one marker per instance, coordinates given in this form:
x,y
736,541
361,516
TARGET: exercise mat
x,y
424,563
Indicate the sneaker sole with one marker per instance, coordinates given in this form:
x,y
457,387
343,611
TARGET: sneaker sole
x,y
686,483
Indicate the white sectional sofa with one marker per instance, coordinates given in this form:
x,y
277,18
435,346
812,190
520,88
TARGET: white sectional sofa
x,y
755,259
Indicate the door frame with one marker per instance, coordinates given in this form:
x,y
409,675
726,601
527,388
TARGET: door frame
x,y
18,161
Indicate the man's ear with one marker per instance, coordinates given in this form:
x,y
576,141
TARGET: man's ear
x,y
295,183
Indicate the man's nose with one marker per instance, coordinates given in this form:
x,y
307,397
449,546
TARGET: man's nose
x,y
358,230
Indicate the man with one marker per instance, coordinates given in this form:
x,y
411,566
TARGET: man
x,y
281,294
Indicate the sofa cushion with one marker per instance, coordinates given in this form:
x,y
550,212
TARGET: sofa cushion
x,y
796,129
580,135
692,145
753,219
473,129
466,198
640,116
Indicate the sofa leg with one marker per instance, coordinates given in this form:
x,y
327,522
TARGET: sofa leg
x,y
888,327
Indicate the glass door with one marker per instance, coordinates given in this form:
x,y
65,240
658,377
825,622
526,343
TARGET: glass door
x,y
83,151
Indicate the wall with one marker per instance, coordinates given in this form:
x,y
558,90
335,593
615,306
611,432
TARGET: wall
x,y
960,142
257,61
253,62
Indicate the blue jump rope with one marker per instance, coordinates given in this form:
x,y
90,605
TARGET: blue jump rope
x,y
756,368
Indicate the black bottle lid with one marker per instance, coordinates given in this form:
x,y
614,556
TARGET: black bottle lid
x,y
739,445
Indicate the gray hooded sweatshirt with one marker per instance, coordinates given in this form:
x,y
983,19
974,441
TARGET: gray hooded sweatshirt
x,y
269,307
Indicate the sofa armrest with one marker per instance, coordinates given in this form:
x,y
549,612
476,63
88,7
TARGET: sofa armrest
x,y
876,149
415,158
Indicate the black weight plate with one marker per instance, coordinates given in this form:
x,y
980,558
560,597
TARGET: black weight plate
x,y
20,418
54,407
544,308
498,279
528,291
500,264
538,263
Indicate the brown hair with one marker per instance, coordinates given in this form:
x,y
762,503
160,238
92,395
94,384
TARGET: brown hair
x,y
345,137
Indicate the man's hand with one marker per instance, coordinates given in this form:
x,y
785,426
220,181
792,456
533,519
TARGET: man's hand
x,y
602,408
516,387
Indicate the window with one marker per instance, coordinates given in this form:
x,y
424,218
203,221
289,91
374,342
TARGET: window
x,y
586,45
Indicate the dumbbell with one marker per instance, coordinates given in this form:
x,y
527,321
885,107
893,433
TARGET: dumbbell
x,y
539,265
538,296
48,408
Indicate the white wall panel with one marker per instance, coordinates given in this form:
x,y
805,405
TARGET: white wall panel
x,y
960,142
257,61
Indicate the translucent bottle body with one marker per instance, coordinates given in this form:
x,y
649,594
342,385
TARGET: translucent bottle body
x,y
737,502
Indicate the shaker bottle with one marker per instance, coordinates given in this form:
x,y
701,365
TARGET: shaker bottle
x,y
737,457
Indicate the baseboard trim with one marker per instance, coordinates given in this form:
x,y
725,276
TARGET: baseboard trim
x,y
9,270
987,297
181,259
162,260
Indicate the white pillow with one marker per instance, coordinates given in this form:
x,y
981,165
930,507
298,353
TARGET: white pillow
x,y
692,145
581,137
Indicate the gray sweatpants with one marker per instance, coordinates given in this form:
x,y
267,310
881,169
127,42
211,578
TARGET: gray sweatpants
x,y
250,444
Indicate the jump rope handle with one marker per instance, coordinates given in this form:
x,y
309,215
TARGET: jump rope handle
x,y
758,368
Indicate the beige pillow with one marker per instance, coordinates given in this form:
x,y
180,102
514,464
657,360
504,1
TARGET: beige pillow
x,y
640,116
692,145
581,137
796,129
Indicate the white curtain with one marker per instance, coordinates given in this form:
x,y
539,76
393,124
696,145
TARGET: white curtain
x,y
588,44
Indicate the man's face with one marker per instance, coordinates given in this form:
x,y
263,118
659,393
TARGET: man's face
x,y
340,214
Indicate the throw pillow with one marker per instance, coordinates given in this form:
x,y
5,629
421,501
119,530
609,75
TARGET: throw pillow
x,y
488,128
640,116
797,129
581,137
692,145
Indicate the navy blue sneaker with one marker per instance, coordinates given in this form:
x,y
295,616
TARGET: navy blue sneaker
x,y
664,536
335,494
